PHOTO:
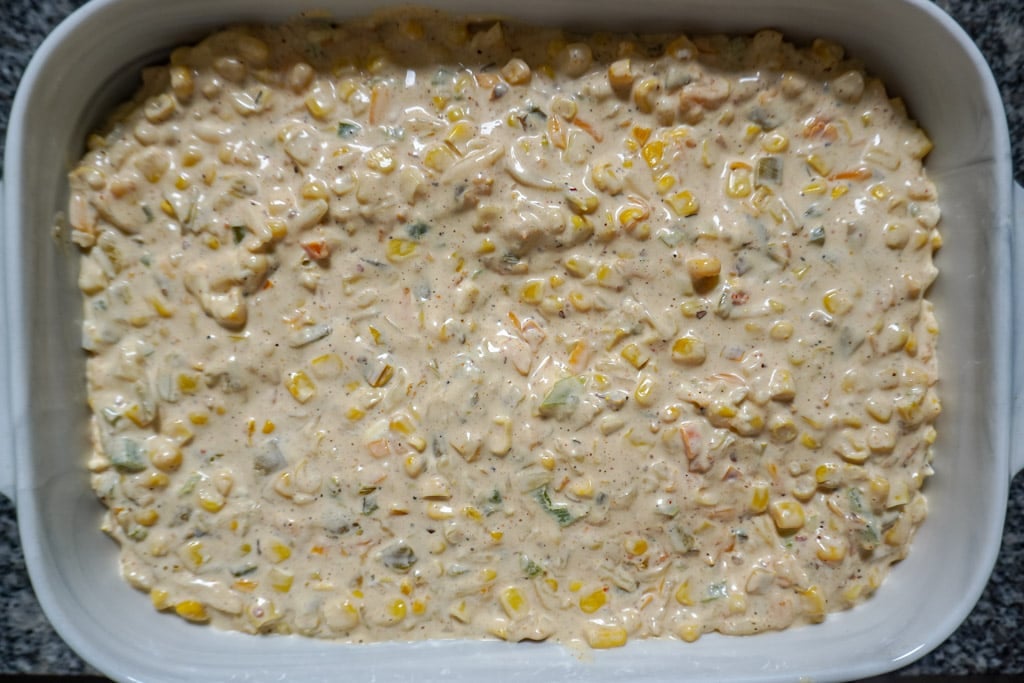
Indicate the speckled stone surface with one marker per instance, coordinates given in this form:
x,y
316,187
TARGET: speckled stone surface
x,y
990,641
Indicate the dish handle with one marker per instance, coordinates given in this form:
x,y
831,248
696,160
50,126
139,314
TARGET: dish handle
x,y
7,474
1017,256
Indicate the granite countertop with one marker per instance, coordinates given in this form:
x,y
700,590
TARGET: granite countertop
x,y
990,640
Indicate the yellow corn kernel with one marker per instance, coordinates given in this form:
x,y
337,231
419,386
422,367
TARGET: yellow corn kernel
x,y
399,249
620,74
314,189
397,610
547,460
147,517
211,501
414,465
582,488
682,594
160,598
439,511
814,187
814,602
513,602
327,366
438,158
319,106
665,182
279,552
690,632
383,377
809,441
654,153
193,553
879,191
578,266
300,386
532,292
722,409
689,350
635,546
644,392
460,134
759,498
354,414
683,203
739,183
594,601
192,610
839,190
775,143
580,301
820,165
516,72
703,267
828,475
601,637
635,355
831,551
836,302
630,216
280,580
787,514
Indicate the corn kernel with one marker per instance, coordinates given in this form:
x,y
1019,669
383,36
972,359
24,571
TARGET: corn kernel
x,y
690,632
703,267
601,637
653,153
279,552
683,203
644,393
513,601
775,143
300,386
280,580
635,356
620,74
594,601
532,292
160,598
739,183
787,514
759,498
820,165
192,610
814,603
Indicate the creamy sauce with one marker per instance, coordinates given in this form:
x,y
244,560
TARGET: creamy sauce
x,y
422,327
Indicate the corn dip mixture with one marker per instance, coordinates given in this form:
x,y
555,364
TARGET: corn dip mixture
x,y
434,327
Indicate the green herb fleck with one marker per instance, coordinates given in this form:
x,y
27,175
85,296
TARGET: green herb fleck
x,y
148,212
126,456
530,568
189,485
347,129
369,505
417,230
563,399
559,512
239,232
716,591
244,570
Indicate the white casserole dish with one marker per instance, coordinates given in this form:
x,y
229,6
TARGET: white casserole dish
x,y
921,54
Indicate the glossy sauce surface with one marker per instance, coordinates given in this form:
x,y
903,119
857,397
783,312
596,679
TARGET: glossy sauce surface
x,y
427,327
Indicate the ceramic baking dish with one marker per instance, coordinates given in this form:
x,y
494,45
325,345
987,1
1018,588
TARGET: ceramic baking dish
x,y
92,60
